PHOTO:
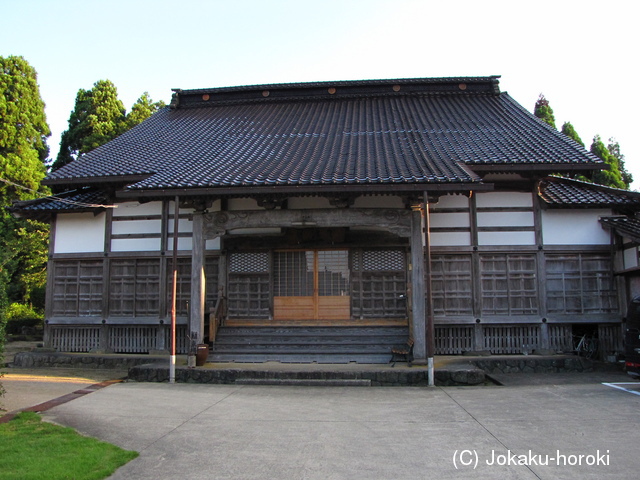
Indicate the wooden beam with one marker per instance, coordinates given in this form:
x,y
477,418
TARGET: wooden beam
x,y
397,221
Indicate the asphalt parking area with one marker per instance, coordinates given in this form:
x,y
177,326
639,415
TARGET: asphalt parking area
x,y
553,430
629,387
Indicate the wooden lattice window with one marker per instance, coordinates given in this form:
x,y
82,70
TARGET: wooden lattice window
x,y
293,273
77,288
580,283
379,284
333,272
509,285
452,284
249,289
134,288
183,285
183,290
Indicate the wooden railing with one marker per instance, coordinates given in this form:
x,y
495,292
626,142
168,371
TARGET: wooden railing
x,y
216,315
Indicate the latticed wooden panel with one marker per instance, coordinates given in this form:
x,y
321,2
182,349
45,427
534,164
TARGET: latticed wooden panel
x,y
383,260
580,283
134,288
211,272
452,285
77,289
379,284
560,338
75,339
132,339
183,293
453,340
182,340
252,262
509,285
610,339
248,285
499,339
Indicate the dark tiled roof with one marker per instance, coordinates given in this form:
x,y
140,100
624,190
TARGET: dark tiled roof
x,y
79,200
417,131
626,226
563,192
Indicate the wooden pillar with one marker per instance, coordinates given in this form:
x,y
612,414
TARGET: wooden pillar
x,y
430,320
418,314
196,320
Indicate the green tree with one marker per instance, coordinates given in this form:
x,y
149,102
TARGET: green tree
x,y
23,151
614,150
569,131
544,112
99,116
23,130
612,177
142,109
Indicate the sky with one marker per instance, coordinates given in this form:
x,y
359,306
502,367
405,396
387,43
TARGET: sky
x,y
581,55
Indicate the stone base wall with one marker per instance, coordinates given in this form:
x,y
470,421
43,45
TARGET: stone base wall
x,y
36,359
414,376
534,364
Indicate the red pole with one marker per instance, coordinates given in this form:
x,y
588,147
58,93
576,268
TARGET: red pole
x,y
174,292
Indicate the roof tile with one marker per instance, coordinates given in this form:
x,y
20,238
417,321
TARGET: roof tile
x,y
431,136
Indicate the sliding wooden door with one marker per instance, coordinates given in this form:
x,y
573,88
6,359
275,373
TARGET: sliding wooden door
x,y
311,285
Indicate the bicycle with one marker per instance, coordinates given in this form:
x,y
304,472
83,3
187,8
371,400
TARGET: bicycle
x,y
587,346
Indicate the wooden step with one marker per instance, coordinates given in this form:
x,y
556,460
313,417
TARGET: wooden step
x,y
305,344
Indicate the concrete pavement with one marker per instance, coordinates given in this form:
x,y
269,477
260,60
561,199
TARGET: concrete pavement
x,y
198,431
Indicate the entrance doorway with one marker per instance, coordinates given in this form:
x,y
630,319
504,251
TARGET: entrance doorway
x,y
311,285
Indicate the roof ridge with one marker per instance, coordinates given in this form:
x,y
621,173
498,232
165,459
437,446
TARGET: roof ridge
x,y
334,89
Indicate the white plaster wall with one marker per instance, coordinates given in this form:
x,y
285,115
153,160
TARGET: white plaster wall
x,y
79,233
574,227
506,238
184,226
447,239
135,244
630,257
449,220
211,244
136,226
450,201
504,199
505,219
135,208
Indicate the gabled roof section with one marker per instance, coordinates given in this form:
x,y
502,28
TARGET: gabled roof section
x,y
558,192
78,200
378,133
625,226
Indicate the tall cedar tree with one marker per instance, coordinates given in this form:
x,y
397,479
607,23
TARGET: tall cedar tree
x,y
616,176
23,151
570,131
544,112
99,116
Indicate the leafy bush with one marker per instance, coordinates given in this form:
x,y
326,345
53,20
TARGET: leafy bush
x,y
19,317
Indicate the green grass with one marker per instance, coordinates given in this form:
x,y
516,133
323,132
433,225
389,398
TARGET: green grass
x,y
31,449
